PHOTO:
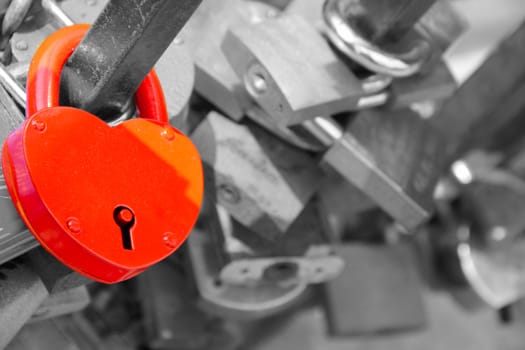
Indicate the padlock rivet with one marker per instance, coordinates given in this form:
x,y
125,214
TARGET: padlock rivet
x,y
38,125
168,134
73,224
170,240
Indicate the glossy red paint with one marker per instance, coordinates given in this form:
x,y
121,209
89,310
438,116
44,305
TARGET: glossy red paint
x,y
83,188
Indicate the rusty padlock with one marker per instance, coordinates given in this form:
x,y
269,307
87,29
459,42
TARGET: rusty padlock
x,y
107,202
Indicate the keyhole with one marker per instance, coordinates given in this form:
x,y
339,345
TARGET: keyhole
x,y
125,219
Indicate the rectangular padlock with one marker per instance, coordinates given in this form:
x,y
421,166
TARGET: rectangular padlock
x,y
311,10
305,254
477,102
262,182
339,204
289,69
437,84
15,239
55,276
494,205
215,79
297,136
379,291
62,303
177,80
487,223
21,292
251,276
206,258
182,325
395,158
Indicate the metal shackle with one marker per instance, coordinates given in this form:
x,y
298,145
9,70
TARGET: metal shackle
x,y
43,82
342,33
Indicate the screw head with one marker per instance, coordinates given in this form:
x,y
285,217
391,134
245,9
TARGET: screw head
x,y
258,83
170,240
38,125
73,224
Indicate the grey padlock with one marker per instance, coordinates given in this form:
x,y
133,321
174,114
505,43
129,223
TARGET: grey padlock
x,y
15,239
379,291
304,255
263,182
182,325
226,300
65,302
289,69
215,79
395,158
487,226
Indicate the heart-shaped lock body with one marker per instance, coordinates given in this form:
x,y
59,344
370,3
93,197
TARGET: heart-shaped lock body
x,y
107,201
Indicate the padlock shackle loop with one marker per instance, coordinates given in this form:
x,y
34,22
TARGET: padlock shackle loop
x,y
43,82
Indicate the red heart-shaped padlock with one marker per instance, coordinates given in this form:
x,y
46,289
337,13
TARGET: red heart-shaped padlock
x,y
107,202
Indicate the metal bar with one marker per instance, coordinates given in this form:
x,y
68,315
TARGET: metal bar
x,y
383,20
56,13
119,50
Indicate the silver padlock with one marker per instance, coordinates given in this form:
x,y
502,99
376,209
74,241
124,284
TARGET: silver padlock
x,y
231,301
263,182
483,232
394,157
15,239
289,69
203,34
304,255
402,187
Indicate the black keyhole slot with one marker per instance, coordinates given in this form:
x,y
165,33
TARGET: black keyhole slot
x,y
125,219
